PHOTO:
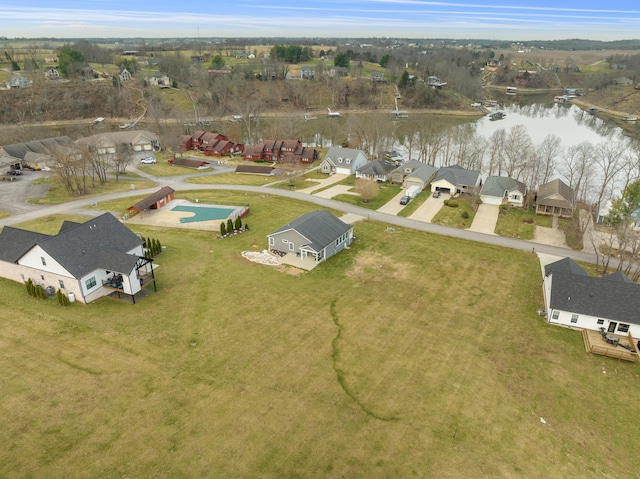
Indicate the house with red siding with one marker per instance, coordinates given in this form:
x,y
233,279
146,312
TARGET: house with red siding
x,y
281,151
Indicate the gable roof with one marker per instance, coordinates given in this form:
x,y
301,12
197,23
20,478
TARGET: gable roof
x,y
44,146
338,152
320,228
152,199
556,193
83,247
614,300
497,185
377,167
14,243
617,276
565,265
457,175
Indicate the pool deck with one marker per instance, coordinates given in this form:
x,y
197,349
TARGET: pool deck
x,y
171,219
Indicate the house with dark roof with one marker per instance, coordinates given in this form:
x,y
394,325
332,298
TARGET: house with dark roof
x,y
377,170
576,300
280,151
317,235
84,260
456,179
499,190
35,152
105,144
555,199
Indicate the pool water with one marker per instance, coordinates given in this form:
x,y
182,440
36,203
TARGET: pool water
x,y
203,213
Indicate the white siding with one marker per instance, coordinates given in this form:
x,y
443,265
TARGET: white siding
x,y
33,259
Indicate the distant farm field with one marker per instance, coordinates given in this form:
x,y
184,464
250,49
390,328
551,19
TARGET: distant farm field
x,y
407,355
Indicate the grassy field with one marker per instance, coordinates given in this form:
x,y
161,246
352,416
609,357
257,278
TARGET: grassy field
x,y
57,194
396,358
518,223
454,216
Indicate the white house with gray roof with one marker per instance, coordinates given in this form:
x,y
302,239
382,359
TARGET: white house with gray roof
x,y
318,234
88,260
343,161
576,300
105,144
498,190
456,179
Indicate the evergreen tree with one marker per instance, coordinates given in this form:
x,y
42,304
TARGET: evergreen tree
x,y
238,224
223,229
229,226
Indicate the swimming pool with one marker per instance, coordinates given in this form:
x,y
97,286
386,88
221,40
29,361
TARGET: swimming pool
x,y
203,213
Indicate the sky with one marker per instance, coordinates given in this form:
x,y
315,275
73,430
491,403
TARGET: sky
x,y
495,20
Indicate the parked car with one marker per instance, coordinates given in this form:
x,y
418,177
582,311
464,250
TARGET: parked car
x,y
14,172
148,160
405,200
436,194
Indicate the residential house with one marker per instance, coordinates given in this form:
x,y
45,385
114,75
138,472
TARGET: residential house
x,y
555,199
35,152
51,73
124,74
244,55
377,77
280,151
318,234
456,179
161,81
435,82
105,144
413,172
307,73
18,81
499,190
577,300
377,170
84,260
343,161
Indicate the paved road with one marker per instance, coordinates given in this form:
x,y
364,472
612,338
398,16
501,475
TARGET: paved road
x,y
179,184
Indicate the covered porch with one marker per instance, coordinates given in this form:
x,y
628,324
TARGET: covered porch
x,y
129,285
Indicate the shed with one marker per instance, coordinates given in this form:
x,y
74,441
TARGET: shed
x,y
154,201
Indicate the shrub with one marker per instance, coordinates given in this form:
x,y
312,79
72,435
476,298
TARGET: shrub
x,y
223,229
238,224
465,214
229,226
451,203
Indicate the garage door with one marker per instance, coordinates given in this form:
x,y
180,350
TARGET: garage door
x,y
491,200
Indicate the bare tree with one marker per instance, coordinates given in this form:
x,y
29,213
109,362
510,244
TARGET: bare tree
x,y
517,148
124,156
608,158
578,167
548,152
496,152
367,189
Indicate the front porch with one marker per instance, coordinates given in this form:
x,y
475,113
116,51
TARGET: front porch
x,y
595,343
307,262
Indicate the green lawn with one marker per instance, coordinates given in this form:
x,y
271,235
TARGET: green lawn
x,y
384,195
4,214
163,168
57,194
396,358
454,216
518,223
233,179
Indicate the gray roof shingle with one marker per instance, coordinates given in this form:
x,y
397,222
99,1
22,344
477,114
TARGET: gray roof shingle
x,y
320,227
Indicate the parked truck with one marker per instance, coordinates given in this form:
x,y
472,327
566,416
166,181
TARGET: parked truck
x,y
410,194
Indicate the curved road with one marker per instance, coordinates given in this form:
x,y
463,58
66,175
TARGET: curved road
x,y
179,183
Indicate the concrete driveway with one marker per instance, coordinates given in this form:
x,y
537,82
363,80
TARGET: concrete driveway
x,y
485,219
429,208
335,191
323,183
393,206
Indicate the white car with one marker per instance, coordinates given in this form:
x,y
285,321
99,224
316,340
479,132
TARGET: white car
x,y
148,160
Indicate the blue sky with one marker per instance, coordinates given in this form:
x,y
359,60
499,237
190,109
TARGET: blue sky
x,y
498,19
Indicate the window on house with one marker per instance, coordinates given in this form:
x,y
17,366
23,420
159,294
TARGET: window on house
x,y
348,160
285,241
601,321
555,315
42,277
91,282
623,328
339,160
44,261
292,247
272,242
61,283
574,318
